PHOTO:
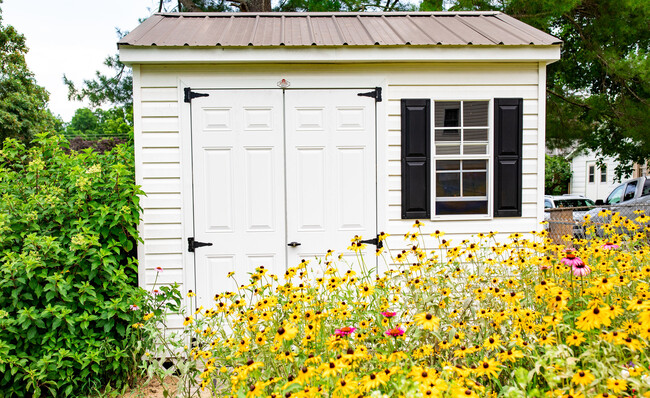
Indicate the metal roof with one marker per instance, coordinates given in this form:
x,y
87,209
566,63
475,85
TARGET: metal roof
x,y
334,29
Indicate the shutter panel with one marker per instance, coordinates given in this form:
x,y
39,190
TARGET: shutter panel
x,y
416,148
508,121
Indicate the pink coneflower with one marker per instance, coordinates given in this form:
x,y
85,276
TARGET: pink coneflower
x,y
581,269
159,269
395,332
134,307
610,245
577,265
345,331
156,292
389,314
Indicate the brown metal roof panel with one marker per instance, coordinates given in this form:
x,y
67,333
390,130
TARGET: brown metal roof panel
x,y
500,32
462,27
408,31
269,32
136,34
174,33
296,32
381,31
542,38
353,33
204,33
436,31
324,31
240,32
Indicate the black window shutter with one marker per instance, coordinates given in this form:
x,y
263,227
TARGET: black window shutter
x,y
416,148
508,136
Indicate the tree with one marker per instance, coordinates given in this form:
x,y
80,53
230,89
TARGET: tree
x,y
23,103
116,122
599,92
558,175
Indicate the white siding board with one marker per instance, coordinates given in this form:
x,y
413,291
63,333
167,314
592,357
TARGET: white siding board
x,y
462,92
161,201
162,216
161,155
160,124
160,109
529,151
161,170
162,231
161,185
159,94
160,140
163,246
529,136
166,261
166,277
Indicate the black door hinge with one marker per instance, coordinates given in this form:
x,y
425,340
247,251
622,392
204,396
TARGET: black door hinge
x,y
376,94
192,244
189,94
374,241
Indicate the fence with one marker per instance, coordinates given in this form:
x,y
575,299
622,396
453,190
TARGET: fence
x,y
569,222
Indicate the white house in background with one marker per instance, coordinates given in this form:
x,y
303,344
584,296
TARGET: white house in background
x,y
594,182
274,137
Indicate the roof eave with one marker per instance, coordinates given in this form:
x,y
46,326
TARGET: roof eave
x,y
338,54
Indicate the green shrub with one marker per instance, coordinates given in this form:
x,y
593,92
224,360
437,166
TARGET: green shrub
x,y
68,226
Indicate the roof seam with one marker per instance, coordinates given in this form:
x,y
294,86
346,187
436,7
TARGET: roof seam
x,y
491,22
477,30
403,40
338,30
408,17
365,29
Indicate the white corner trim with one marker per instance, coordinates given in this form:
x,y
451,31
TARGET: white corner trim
x,y
183,55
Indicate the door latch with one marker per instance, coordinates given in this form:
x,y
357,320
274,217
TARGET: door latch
x,y
294,244
192,244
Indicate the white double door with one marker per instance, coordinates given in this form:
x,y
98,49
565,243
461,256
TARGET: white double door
x,y
279,176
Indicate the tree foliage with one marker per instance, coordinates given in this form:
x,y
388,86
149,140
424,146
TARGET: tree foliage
x,y
558,175
599,92
115,122
68,227
23,103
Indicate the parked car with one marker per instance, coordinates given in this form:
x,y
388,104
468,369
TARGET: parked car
x,y
629,197
578,203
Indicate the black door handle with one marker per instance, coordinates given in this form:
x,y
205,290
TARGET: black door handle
x,y
294,244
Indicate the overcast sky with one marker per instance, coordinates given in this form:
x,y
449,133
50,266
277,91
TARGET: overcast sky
x,y
71,37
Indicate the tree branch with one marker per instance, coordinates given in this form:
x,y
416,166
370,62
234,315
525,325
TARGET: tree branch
x,y
565,99
189,5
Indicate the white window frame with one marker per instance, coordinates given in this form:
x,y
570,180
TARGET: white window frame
x,y
489,156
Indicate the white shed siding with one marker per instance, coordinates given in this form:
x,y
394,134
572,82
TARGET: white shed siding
x,y
159,157
163,152
579,176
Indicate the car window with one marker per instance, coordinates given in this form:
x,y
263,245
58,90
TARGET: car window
x,y
573,202
630,190
616,196
646,188
548,204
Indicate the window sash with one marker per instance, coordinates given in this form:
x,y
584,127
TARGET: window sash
x,y
462,144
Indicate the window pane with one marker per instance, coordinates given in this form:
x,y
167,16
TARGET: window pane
x,y
646,188
447,135
475,113
447,114
475,183
603,174
592,170
475,135
630,189
461,207
615,196
448,165
475,149
474,164
447,149
447,184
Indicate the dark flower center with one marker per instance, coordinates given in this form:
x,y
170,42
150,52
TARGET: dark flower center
x,y
429,316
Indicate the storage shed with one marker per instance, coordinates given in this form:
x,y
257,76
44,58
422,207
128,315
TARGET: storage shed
x,y
274,137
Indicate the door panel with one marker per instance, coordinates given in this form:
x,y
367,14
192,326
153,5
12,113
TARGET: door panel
x,y
238,166
248,148
330,175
